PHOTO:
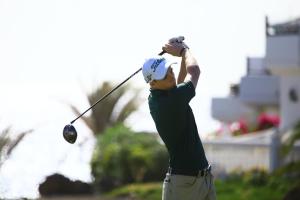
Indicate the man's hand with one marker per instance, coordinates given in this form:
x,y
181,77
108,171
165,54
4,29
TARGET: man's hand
x,y
189,65
175,46
178,39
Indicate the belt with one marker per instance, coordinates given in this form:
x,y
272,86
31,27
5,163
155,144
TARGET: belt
x,y
202,172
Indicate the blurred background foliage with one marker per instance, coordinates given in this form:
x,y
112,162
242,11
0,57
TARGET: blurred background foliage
x,y
283,184
123,156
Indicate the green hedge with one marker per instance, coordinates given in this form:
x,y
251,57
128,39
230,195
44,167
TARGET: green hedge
x,y
122,156
254,184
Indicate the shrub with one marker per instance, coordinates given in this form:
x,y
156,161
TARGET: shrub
x,y
256,177
122,156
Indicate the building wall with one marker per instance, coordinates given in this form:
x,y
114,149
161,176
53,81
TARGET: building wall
x,y
289,110
282,52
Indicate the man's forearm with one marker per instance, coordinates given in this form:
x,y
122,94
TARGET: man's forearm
x,y
192,67
182,73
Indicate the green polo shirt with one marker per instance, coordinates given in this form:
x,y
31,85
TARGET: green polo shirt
x,y
175,123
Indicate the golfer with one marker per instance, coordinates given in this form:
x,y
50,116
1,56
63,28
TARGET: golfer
x,y
189,175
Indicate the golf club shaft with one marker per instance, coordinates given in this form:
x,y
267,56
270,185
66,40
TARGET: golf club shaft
x,y
107,94
161,53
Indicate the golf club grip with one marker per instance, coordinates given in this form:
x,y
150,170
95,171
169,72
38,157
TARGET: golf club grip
x,y
161,53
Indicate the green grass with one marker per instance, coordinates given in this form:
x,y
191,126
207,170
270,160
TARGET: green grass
x,y
271,188
239,189
145,191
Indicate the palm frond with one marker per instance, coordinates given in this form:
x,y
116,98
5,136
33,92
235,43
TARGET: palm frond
x,y
15,142
131,106
7,144
102,114
290,141
4,139
86,119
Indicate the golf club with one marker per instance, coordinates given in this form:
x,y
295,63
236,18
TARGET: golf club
x,y
70,133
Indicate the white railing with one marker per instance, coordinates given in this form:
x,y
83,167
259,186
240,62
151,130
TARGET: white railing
x,y
244,153
228,156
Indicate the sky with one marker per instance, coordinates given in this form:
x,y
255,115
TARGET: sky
x,y
52,53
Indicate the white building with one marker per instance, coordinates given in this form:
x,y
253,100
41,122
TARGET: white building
x,y
272,84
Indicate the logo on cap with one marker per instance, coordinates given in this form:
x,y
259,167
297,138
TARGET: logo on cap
x,y
156,63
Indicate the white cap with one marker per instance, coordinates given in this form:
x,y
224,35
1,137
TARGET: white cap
x,y
155,68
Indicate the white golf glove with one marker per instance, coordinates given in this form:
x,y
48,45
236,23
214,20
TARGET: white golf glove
x,y
178,40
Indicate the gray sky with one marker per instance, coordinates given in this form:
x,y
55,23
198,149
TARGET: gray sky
x,y
53,52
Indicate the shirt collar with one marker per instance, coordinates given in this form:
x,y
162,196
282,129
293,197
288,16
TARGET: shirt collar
x,y
156,92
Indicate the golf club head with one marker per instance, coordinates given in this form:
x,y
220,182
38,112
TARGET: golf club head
x,y
70,133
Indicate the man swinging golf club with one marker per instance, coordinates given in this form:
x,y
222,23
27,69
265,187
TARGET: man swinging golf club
x,y
189,175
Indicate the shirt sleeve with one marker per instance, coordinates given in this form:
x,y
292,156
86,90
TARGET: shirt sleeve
x,y
185,91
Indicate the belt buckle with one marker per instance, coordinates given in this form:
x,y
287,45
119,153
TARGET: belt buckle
x,y
204,172
201,173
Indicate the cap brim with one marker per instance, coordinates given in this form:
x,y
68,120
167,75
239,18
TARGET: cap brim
x,y
162,72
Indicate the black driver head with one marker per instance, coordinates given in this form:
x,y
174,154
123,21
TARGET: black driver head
x,y
70,133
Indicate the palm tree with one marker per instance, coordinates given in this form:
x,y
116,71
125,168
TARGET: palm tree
x,y
7,144
105,114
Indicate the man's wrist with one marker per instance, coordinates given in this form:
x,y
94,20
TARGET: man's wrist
x,y
182,51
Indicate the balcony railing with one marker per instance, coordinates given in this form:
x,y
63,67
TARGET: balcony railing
x,y
260,90
230,109
283,54
256,66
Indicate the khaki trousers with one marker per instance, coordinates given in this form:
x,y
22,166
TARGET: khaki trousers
x,y
179,187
